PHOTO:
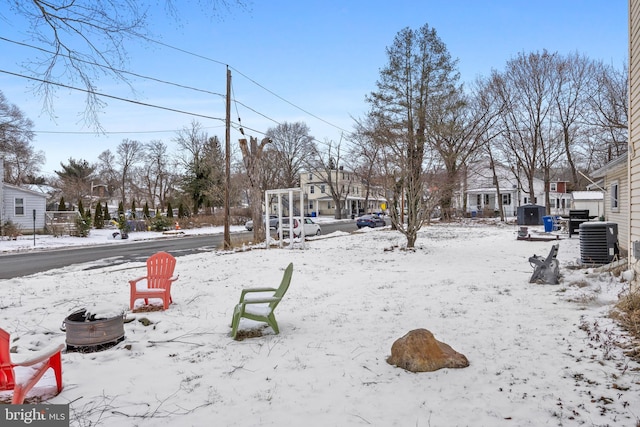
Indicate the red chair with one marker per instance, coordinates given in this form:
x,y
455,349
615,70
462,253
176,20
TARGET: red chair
x,y
24,371
157,282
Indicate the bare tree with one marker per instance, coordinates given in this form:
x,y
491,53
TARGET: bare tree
x,y
365,155
420,74
158,176
252,157
128,153
608,101
574,75
528,89
87,39
107,173
22,161
292,146
455,137
328,163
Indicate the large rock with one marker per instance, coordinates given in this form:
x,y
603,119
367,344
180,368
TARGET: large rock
x,y
419,351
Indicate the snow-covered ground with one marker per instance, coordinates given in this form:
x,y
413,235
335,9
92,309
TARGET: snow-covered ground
x,y
539,354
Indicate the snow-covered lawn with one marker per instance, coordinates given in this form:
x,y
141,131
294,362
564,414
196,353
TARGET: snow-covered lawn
x,y
539,354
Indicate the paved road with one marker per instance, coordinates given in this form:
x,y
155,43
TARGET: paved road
x,y
25,263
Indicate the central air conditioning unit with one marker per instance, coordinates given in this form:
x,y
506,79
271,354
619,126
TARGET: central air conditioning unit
x,y
598,242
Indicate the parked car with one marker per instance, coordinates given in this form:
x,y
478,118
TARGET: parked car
x,y
370,221
310,228
273,223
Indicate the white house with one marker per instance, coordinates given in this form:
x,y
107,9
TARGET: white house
x,y
481,192
318,198
24,208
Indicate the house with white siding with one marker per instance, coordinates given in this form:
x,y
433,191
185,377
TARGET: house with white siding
x,y
614,176
633,192
22,207
481,192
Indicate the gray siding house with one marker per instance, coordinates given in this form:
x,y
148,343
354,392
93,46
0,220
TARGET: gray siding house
x,y
19,205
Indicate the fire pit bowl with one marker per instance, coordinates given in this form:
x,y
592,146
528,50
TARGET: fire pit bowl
x,y
88,332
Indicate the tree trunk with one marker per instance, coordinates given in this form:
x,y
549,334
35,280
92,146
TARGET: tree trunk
x,y
252,157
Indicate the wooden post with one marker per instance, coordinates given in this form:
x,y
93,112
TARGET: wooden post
x,y
227,161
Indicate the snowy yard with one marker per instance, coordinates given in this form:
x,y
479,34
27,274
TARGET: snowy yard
x,y
539,354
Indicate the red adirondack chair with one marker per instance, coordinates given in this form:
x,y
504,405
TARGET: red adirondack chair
x,y
157,282
22,372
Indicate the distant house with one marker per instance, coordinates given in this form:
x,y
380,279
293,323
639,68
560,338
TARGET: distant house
x,y
482,195
481,192
317,194
20,206
559,198
616,201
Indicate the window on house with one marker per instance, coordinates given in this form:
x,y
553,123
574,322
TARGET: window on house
x,y
506,199
486,200
310,177
615,196
322,190
19,206
312,189
553,186
478,199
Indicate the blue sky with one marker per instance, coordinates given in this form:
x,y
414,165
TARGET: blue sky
x,y
312,61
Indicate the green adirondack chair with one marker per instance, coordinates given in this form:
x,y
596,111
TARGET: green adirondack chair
x,y
259,304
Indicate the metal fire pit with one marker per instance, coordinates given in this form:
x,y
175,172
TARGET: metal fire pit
x,y
87,334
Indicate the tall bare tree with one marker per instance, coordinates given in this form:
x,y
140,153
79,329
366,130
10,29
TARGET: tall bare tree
x,y
292,146
528,89
609,102
365,155
456,137
22,161
419,75
128,154
159,176
328,163
575,75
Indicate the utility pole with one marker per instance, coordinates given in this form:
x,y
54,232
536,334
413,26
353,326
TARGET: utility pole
x,y
227,161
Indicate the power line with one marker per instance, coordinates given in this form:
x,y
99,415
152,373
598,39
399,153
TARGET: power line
x,y
288,102
144,104
248,78
170,83
141,76
116,70
112,132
